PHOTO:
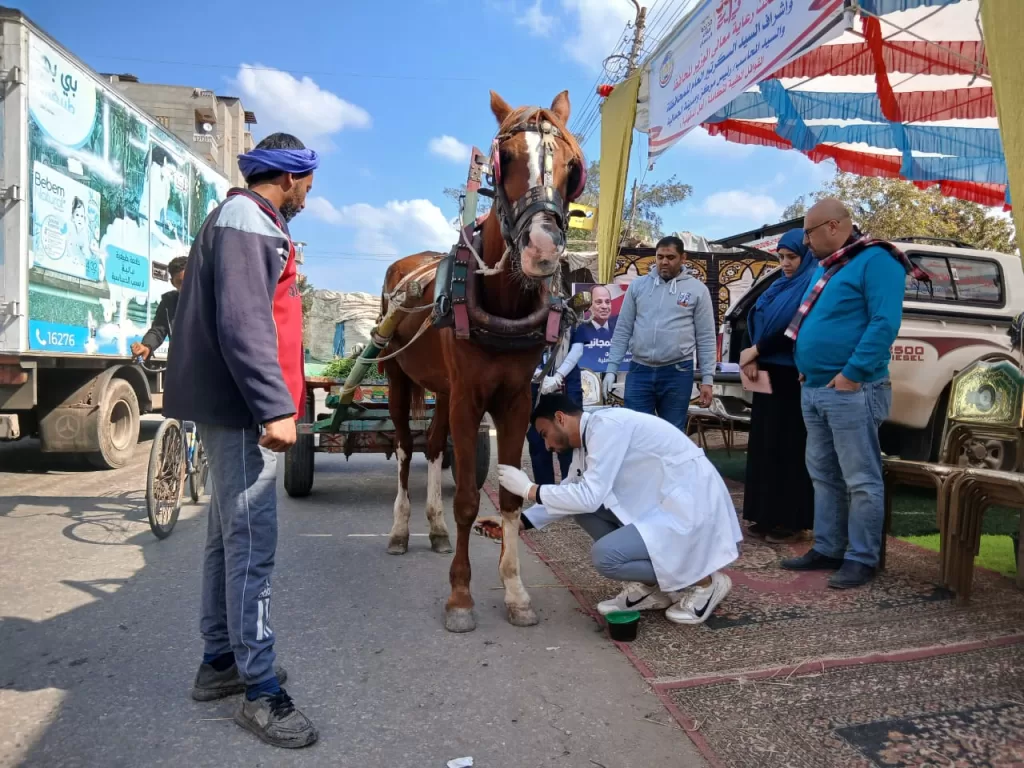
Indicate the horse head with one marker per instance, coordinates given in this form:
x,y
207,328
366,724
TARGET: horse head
x,y
537,169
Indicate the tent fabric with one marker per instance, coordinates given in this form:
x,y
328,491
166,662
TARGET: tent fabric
x,y
618,115
904,93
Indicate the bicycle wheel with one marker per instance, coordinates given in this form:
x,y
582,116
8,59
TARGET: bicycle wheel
x,y
166,478
200,471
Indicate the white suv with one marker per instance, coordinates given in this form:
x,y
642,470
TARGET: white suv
x,y
965,312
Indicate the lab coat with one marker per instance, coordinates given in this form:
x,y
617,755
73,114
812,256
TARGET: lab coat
x,y
652,476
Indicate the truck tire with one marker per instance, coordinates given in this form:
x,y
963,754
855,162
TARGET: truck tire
x,y
116,422
298,460
483,458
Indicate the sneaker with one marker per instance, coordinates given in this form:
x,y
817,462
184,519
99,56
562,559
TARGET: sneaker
x,y
636,597
275,720
696,607
211,685
812,561
852,574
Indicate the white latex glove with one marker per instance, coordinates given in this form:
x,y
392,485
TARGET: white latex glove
x,y
606,386
514,480
551,384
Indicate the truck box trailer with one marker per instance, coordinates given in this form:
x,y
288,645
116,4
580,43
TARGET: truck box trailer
x,y
96,198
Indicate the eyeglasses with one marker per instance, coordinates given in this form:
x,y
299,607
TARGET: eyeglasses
x,y
808,230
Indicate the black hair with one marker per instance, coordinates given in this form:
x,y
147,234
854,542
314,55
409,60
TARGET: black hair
x,y
275,141
671,241
76,204
549,405
177,265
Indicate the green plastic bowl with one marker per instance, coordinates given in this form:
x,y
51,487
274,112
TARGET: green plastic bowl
x,y
622,625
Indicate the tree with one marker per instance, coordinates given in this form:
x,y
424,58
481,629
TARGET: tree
x,y
892,208
483,204
795,210
306,293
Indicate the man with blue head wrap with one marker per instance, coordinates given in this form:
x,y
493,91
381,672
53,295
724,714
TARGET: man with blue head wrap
x,y
235,367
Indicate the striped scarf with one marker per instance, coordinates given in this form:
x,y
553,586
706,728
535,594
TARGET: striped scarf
x,y
837,261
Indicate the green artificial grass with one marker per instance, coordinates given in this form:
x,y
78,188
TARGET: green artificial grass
x,y
913,516
996,552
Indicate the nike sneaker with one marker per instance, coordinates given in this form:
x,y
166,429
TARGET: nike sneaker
x,y
636,597
700,603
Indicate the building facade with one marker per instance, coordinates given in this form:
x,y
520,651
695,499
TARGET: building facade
x,y
217,128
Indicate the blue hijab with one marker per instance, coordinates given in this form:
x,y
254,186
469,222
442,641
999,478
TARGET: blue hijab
x,y
777,305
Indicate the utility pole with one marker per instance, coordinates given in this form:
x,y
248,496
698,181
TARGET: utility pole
x,y
634,58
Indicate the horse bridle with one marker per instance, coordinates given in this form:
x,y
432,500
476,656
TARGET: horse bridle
x,y
543,197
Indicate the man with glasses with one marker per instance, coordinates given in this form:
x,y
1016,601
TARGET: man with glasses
x,y
848,320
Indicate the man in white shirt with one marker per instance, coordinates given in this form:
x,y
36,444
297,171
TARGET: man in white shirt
x,y
661,517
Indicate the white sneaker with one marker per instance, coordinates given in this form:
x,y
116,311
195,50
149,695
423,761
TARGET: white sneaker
x,y
698,605
636,597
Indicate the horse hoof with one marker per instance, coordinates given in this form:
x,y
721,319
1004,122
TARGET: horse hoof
x,y
459,620
398,546
441,544
521,617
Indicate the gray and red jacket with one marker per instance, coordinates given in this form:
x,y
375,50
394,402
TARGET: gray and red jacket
x,y
236,354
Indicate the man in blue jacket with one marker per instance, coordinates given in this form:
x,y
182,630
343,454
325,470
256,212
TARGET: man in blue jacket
x,y
844,328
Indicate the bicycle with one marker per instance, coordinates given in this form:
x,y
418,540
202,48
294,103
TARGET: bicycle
x,y
177,454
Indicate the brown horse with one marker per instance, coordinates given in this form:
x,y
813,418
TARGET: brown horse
x,y
537,168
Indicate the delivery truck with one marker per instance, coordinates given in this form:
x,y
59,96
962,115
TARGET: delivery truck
x,y
96,198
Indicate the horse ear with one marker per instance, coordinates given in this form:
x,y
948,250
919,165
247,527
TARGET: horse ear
x,y
560,106
500,107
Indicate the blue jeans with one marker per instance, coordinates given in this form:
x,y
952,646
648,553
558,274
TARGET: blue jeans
x,y
664,391
844,461
540,456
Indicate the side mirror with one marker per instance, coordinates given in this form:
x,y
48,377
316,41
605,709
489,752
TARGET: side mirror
x,y
580,302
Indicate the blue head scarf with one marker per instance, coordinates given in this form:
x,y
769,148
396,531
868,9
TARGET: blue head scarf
x,y
280,160
777,305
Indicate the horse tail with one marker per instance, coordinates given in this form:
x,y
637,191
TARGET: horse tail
x,y
417,404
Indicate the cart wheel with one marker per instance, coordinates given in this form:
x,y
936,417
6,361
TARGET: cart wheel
x,y
483,458
166,478
298,460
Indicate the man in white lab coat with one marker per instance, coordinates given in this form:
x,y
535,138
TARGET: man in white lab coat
x,y
660,514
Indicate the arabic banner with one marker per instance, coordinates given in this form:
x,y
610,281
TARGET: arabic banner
x,y
723,48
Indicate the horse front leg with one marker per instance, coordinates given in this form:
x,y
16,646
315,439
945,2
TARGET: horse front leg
x,y
512,423
464,422
437,441
399,401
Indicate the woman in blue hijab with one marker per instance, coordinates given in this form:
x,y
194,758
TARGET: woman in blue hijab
x,y
779,498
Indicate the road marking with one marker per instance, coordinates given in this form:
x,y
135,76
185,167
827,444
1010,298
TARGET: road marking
x,y
379,535
317,535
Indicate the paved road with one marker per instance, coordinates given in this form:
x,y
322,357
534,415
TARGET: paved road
x,y
98,631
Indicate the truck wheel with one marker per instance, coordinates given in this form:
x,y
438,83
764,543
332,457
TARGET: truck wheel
x,y
483,458
117,425
298,460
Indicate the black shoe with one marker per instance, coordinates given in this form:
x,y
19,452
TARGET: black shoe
x,y
760,530
211,685
852,574
274,718
812,561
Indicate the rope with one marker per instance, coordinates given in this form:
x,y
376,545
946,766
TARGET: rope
x,y
424,327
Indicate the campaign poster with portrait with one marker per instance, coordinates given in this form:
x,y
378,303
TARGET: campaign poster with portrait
x,y
598,325
113,199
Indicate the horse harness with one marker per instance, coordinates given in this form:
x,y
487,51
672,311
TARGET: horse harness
x,y
456,287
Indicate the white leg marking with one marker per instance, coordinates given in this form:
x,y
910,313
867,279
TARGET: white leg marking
x,y
402,507
435,503
516,595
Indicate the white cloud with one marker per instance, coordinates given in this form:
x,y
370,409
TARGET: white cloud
x,y
740,204
400,226
599,25
534,19
450,148
282,102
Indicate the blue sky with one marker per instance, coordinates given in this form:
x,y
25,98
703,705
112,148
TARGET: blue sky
x,y
377,87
